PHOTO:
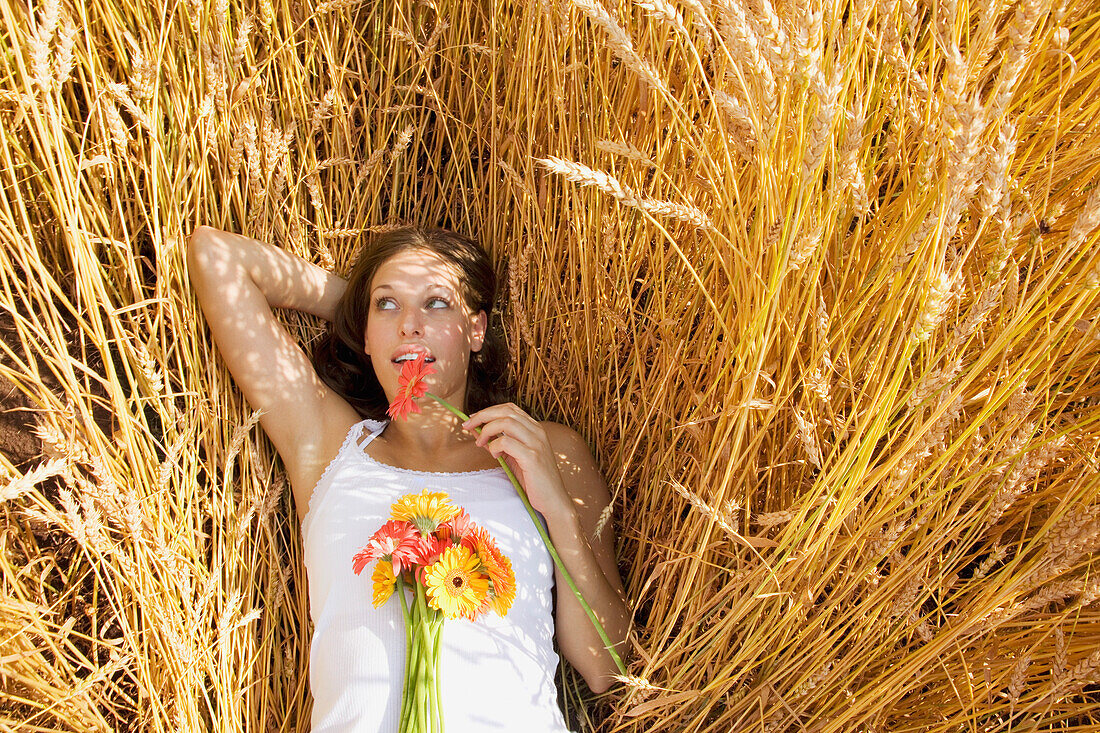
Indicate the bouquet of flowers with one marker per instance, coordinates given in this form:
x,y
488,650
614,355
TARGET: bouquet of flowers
x,y
441,566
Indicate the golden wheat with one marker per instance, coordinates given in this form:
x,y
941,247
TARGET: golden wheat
x,y
817,281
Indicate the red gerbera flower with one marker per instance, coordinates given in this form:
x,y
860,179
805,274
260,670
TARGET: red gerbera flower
x,y
428,549
396,541
410,386
458,529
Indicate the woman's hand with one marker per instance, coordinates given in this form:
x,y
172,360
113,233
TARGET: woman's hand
x,y
509,432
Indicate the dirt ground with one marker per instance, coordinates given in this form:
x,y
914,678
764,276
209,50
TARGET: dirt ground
x,y
17,441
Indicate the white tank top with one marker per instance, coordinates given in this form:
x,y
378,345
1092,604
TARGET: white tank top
x,y
498,673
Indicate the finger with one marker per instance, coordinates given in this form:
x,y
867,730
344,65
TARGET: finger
x,y
495,412
508,446
488,413
500,427
529,433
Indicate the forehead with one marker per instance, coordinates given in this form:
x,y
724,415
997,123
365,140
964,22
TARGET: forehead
x,y
417,269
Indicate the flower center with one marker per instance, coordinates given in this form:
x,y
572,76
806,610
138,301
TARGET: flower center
x,y
455,583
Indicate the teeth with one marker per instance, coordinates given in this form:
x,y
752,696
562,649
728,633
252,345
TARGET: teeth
x,y
410,357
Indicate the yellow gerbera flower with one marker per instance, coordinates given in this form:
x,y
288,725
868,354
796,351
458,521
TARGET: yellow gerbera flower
x,y
454,585
384,581
427,510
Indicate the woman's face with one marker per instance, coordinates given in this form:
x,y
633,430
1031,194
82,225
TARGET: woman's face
x,y
417,306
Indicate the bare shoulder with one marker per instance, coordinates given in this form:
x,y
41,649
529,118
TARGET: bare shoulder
x,y
579,470
568,445
314,455
563,437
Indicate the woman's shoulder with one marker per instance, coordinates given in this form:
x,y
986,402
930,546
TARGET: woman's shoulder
x,y
340,430
316,453
572,451
563,438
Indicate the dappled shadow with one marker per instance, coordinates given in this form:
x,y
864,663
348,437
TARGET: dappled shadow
x,y
498,673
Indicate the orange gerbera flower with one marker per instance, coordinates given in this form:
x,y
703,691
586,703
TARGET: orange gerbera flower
x,y
429,549
427,510
410,386
454,585
498,567
384,581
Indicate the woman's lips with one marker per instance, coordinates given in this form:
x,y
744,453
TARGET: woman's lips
x,y
410,353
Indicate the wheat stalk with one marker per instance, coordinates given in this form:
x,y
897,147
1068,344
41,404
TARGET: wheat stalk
x,y
846,293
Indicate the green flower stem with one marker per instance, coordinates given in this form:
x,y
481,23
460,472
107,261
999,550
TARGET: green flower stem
x,y
406,696
428,678
437,655
408,714
423,693
410,720
549,545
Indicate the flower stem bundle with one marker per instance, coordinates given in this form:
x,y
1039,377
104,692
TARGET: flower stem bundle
x,y
441,566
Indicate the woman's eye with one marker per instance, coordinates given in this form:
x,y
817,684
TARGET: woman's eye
x,y
385,304
438,303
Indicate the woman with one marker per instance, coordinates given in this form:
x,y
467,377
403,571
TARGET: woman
x,y
413,292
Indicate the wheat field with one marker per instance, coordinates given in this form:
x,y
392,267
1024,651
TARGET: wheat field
x,y
818,282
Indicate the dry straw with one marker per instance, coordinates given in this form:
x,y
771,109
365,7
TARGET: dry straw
x,y
817,281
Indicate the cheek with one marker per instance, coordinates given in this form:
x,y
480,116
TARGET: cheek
x,y
370,334
458,353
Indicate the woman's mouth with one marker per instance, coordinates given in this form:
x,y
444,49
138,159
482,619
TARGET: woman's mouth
x,y
409,355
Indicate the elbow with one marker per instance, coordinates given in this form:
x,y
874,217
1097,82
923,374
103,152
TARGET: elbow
x,y
599,685
195,243
199,239
200,254
600,676
201,234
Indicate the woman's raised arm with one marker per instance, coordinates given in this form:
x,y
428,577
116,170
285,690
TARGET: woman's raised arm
x,y
238,281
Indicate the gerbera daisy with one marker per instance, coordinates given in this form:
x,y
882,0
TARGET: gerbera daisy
x,y
384,581
428,549
410,386
427,510
396,541
498,567
458,529
454,585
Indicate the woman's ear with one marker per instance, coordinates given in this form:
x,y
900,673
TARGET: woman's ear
x,y
477,334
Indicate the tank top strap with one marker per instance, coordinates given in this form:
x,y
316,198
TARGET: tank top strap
x,y
372,428
350,445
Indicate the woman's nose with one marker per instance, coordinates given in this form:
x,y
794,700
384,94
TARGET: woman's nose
x,y
411,323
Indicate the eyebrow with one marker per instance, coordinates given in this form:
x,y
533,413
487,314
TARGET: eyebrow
x,y
441,286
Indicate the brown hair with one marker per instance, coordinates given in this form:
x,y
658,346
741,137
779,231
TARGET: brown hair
x,y
339,358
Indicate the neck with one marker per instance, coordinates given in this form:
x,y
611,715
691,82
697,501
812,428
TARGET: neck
x,y
429,431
